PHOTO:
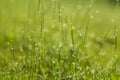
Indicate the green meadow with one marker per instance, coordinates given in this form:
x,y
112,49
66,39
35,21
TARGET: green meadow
x,y
59,40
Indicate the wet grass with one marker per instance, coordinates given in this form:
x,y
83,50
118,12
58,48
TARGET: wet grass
x,y
59,40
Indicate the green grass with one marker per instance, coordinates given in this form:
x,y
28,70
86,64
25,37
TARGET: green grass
x,y
59,40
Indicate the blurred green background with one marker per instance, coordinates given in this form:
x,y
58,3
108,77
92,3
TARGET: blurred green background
x,y
20,18
27,27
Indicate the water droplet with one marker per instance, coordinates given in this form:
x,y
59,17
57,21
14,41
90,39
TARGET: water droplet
x,y
91,17
8,43
117,0
60,10
87,68
70,77
97,11
39,44
36,48
53,0
92,35
57,49
73,27
21,49
53,62
93,71
62,61
60,44
12,48
87,45
73,63
84,77
30,47
39,58
80,34
78,31
90,6
113,20
16,63
60,14
71,45
64,25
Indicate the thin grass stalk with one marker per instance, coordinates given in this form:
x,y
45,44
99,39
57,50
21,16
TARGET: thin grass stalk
x,y
60,19
86,30
115,34
42,26
39,1
88,21
87,25
61,29
115,27
59,12
42,19
13,49
41,11
104,38
73,62
72,38
115,39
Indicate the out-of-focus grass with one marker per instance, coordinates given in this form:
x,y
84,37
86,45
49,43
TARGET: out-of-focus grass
x,y
63,51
